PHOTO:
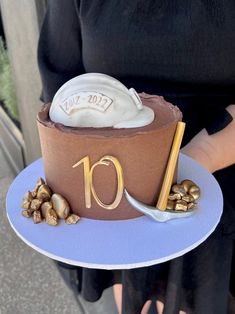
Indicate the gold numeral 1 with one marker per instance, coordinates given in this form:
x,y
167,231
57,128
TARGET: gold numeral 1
x,y
86,165
88,180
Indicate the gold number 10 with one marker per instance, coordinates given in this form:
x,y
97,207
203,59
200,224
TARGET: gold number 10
x,y
88,180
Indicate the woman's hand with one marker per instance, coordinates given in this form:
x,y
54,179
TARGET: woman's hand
x,y
215,151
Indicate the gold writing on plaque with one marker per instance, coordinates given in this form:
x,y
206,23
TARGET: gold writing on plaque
x,y
88,180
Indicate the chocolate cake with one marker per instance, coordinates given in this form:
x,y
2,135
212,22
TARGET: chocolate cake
x,y
92,166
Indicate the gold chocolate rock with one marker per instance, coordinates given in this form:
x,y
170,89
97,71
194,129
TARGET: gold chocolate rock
x,y
181,205
45,207
187,184
35,204
34,193
188,198
25,204
195,192
44,192
37,218
178,188
39,183
51,217
60,205
26,213
27,199
72,219
28,196
37,186
174,196
191,205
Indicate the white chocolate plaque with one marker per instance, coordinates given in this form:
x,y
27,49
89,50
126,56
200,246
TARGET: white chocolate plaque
x,y
98,100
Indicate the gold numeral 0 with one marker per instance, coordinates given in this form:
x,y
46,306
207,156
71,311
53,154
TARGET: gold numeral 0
x,y
88,180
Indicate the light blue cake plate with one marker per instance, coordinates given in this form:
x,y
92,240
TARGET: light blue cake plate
x,y
119,244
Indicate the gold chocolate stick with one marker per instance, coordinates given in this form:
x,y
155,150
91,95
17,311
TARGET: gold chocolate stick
x,y
170,169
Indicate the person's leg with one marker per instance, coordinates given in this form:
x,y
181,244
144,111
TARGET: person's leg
x,y
137,287
117,293
146,307
159,307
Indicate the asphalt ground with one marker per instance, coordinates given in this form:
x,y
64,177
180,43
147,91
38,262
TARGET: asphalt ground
x,y
29,281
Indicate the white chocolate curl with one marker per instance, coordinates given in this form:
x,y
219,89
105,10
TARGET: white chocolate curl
x,y
98,100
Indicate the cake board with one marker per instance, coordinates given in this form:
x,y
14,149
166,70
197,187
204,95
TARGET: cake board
x,y
119,244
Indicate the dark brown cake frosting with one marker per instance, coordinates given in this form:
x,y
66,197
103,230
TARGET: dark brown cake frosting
x,y
142,152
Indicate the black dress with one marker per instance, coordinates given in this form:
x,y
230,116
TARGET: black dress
x,y
185,51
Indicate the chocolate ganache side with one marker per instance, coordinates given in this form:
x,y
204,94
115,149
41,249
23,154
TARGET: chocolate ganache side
x,y
74,166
